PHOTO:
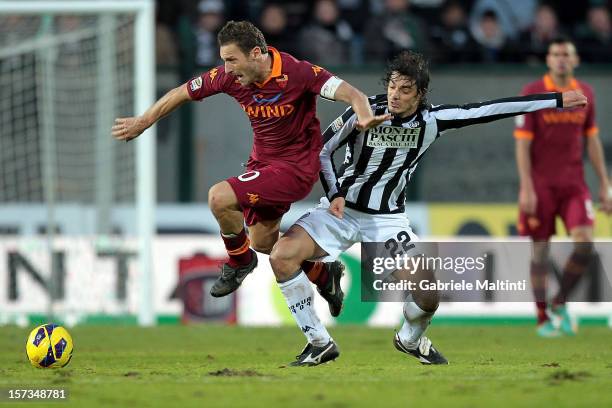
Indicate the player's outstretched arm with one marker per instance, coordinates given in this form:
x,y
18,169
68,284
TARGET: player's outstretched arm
x,y
360,104
132,127
458,116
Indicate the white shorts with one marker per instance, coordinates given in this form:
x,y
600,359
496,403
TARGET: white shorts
x,y
335,235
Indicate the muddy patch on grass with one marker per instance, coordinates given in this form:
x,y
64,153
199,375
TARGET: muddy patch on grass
x,y
561,376
226,372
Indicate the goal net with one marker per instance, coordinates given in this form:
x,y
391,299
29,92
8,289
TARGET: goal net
x,y
67,69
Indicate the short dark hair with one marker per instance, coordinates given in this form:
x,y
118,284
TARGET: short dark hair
x,y
415,67
244,34
559,40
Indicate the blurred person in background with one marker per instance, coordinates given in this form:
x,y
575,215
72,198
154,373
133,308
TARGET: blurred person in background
x,y
571,12
395,30
353,11
199,39
595,36
534,42
274,26
549,146
166,53
326,38
514,16
492,43
451,37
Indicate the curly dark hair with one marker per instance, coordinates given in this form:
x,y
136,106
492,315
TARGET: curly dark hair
x,y
413,66
244,34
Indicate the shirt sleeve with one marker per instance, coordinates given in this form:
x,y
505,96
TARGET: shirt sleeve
x,y
313,76
210,83
337,134
455,117
524,125
590,124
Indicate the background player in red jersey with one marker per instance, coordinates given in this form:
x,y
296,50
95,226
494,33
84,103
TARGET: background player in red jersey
x,y
549,146
278,93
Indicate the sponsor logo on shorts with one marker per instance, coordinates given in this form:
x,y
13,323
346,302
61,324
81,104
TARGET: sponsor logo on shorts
x,y
393,137
195,84
316,69
253,198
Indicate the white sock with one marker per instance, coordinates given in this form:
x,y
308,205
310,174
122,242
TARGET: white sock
x,y
415,324
300,299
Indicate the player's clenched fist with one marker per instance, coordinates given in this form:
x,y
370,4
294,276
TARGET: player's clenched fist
x,y
128,128
336,207
573,99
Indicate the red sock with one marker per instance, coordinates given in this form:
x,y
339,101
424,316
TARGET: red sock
x,y
538,284
316,271
237,247
541,312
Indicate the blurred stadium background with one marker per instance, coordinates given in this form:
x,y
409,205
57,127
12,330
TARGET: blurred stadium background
x,y
127,223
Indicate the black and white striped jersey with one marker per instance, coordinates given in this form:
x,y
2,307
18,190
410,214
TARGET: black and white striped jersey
x,y
379,162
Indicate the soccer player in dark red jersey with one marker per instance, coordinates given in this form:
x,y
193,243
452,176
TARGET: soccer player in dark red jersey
x,y
549,146
278,94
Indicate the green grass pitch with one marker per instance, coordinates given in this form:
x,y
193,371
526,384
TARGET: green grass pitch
x,y
219,366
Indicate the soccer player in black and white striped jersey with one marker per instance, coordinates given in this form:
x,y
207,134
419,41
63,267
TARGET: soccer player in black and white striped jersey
x,y
365,197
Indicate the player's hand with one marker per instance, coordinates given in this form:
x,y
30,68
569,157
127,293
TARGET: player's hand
x,y
573,99
528,200
372,121
605,198
128,128
336,207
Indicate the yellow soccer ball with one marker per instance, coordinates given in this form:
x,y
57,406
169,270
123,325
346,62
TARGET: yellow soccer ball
x,y
49,346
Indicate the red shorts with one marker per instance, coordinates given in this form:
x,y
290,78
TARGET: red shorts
x,y
266,191
572,203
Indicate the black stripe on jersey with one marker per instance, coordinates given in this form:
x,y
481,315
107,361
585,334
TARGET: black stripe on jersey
x,y
350,138
329,132
401,200
459,123
365,192
394,181
360,167
533,97
345,164
364,158
373,100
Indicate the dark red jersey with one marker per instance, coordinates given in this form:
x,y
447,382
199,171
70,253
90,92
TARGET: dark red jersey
x,y
282,109
557,135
